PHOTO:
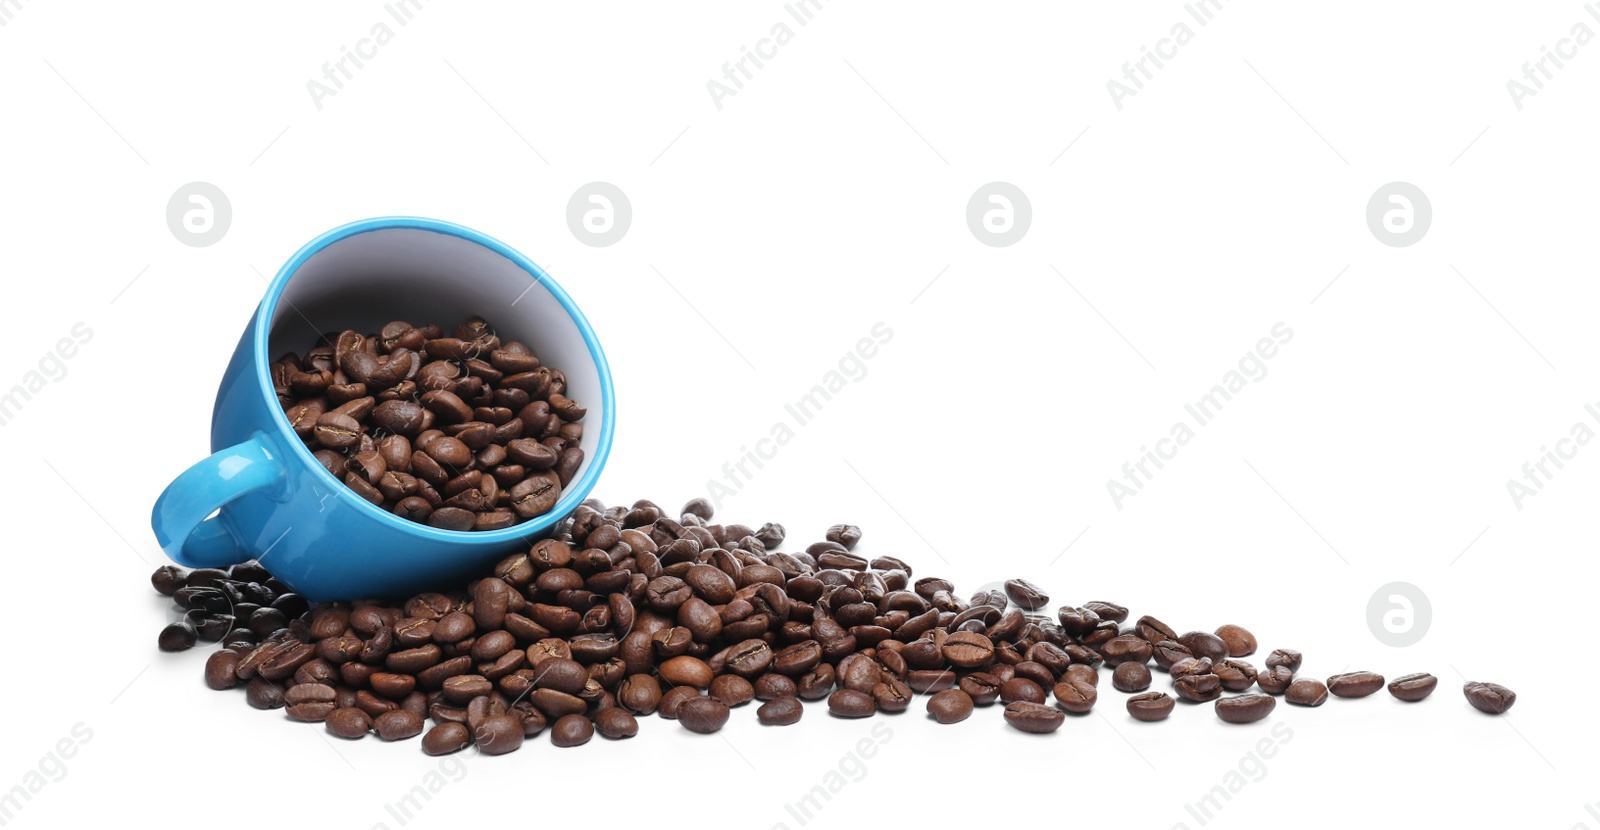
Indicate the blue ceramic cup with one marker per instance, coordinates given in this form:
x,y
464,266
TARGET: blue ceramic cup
x,y
262,495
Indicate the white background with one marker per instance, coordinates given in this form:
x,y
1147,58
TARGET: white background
x,y
767,237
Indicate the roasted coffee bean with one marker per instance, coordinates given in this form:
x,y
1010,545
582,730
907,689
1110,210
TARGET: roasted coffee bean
x,y
1075,696
982,687
1026,595
616,723
1306,692
1286,657
1035,718
639,694
500,734
1107,610
967,650
949,706
772,686
686,671
781,711
1150,706
1413,687
310,702
446,738
399,725
1354,684
1167,653
703,715
1022,689
1246,708
179,636
264,694
1127,648
1203,644
1276,680
168,579
1131,677
1154,630
1240,642
732,690
849,703
1490,698
1077,621
1200,688
220,669
1236,675
349,722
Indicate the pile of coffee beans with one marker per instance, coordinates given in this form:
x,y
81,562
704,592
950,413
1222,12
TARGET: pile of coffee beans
x,y
627,612
462,432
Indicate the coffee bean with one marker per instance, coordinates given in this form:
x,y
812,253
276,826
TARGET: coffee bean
x,y
264,694
1491,698
1126,648
968,650
849,703
639,694
1021,689
948,706
1150,706
500,734
310,702
1306,692
1154,630
703,715
1075,696
1240,642
732,690
1246,708
1107,610
1035,718
781,711
1276,680
1131,677
1203,644
1200,688
1236,675
179,636
1026,595
616,723
348,722
220,669
1354,684
398,724
446,738
1286,657
1413,687
168,579
686,671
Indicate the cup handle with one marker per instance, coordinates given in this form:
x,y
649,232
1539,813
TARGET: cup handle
x,y
182,518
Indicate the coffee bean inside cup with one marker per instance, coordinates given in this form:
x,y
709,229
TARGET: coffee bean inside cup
x,y
459,430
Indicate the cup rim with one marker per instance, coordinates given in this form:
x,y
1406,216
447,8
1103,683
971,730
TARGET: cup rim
x,y
571,497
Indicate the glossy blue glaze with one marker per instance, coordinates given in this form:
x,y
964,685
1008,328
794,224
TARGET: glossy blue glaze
x,y
274,501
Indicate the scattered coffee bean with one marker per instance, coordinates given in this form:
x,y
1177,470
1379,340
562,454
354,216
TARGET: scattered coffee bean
x,y
446,738
781,711
849,703
1131,677
949,706
1150,706
1354,684
1413,687
1491,698
1276,680
1286,657
616,723
1245,708
500,734
349,722
1035,718
1306,692
703,715
1240,642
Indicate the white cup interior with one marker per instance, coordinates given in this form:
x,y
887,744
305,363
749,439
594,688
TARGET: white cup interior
x,y
422,276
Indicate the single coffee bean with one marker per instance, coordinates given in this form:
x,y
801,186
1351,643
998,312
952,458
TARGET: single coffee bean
x,y
446,738
1240,642
1131,677
1086,673
1204,644
1276,680
686,671
849,703
1286,657
1355,683
220,669
950,706
168,579
773,686
1246,708
1413,687
1026,595
732,690
1236,675
968,650
500,734
781,711
1199,688
179,636
1491,698
349,722
1075,696
1306,692
703,715
398,724
264,694
1107,610
1021,689
1150,706
1034,718
1126,648
616,723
